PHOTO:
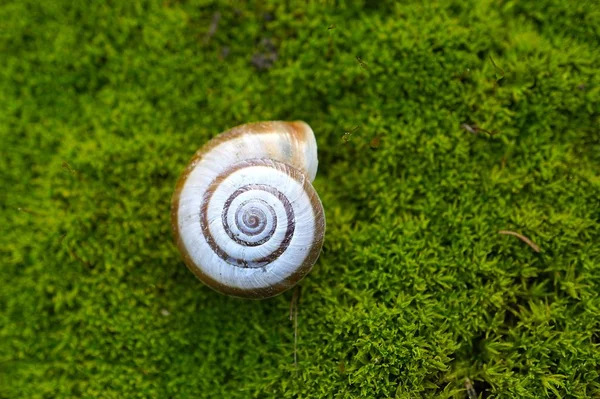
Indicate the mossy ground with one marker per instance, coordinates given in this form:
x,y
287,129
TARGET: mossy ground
x,y
103,103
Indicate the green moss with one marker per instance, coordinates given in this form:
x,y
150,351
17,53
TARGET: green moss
x,y
103,103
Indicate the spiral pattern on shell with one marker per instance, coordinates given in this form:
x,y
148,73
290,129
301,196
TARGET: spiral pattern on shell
x,y
245,215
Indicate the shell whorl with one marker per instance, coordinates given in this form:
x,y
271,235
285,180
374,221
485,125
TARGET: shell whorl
x,y
244,213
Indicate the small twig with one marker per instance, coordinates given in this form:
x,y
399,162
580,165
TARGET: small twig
x,y
476,129
362,64
68,167
293,302
74,172
470,389
495,132
294,317
212,29
30,212
522,238
469,128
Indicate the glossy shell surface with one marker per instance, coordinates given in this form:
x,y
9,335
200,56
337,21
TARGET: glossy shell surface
x,y
244,213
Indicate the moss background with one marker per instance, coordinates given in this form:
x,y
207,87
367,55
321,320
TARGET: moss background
x,y
102,103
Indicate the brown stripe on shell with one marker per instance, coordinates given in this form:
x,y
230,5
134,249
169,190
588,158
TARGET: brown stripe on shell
x,y
295,130
249,233
319,217
289,233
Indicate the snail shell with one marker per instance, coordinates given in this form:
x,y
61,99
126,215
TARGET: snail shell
x,y
244,213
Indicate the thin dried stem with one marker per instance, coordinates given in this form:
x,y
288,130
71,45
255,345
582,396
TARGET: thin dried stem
x,y
362,64
471,392
66,166
30,212
294,317
476,129
296,338
212,29
522,238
